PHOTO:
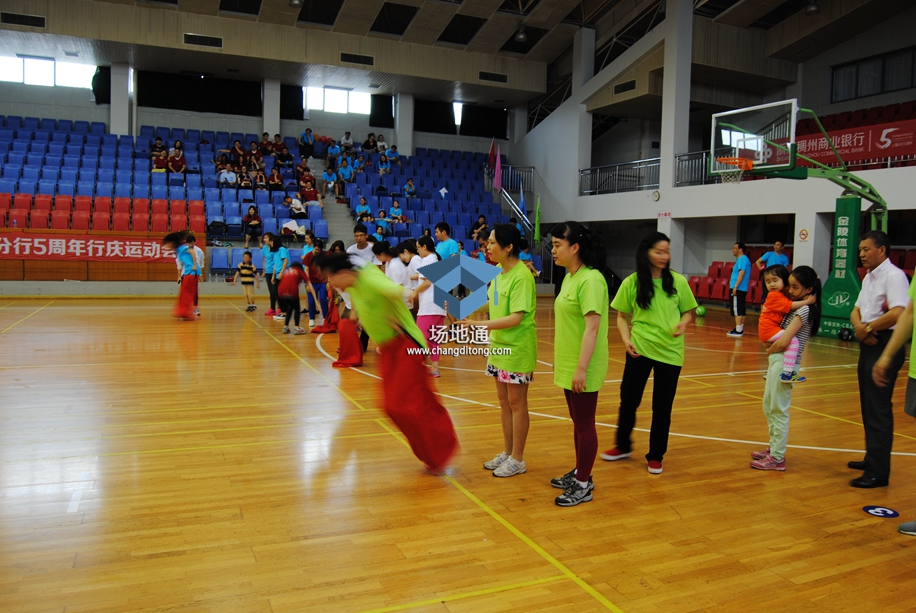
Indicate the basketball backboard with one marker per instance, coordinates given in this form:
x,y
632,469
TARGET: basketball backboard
x,y
764,135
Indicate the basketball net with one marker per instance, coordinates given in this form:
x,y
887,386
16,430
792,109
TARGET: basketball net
x,y
735,174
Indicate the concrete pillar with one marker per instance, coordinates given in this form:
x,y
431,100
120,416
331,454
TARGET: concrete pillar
x,y
119,122
583,57
403,123
270,97
811,241
518,123
678,26
676,230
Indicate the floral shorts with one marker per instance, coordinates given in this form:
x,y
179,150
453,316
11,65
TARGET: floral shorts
x,y
504,376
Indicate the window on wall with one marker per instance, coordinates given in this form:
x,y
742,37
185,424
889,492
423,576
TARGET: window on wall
x,y
333,100
876,75
36,71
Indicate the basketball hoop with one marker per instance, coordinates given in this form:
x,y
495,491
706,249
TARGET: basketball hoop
x,y
734,175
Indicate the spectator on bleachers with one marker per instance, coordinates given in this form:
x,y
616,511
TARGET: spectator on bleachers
x,y
518,225
346,143
306,142
278,145
260,181
369,145
426,232
409,190
176,146
275,181
332,155
480,229
379,236
177,162
344,176
381,144
360,164
245,181
338,247
447,246
395,213
393,156
310,195
303,169
157,148
236,152
329,178
461,250
228,178
161,162
384,166
363,212
482,253
285,158
307,177
252,226
382,223
295,208
221,164
524,256
265,147
253,158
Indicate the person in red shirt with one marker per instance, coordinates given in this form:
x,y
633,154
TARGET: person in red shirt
x,y
288,292
303,169
310,195
253,158
177,163
278,144
318,297
265,146
161,163
274,181
237,152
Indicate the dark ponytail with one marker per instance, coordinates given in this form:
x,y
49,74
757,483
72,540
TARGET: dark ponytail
x,y
808,279
427,242
645,286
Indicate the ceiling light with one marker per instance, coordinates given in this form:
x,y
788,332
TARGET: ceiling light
x,y
813,8
295,3
520,36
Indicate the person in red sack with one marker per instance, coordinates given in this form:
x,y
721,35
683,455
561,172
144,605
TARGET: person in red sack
x,y
187,283
407,397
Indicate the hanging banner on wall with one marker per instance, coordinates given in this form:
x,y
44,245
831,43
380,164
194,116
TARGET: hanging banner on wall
x,y
82,248
855,144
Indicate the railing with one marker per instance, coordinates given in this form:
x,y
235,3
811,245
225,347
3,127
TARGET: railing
x,y
616,178
514,178
542,249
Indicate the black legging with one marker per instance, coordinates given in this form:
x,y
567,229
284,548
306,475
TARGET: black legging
x,y
290,305
272,290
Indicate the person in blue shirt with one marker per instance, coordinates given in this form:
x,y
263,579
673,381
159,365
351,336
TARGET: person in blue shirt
x,y
409,190
395,213
447,246
738,284
384,166
330,181
306,144
344,176
333,153
379,236
382,223
771,258
524,257
363,212
280,263
513,220
190,272
360,164
393,156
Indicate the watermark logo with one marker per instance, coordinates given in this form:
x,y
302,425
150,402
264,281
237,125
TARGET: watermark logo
x,y
838,299
461,270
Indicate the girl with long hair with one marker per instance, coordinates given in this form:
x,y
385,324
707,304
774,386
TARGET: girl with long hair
x,y
801,323
580,347
660,304
190,273
513,299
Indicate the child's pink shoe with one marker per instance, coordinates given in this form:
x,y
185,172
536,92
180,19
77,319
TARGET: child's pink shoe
x,y
269,312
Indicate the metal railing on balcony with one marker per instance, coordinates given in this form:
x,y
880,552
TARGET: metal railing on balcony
x,y
514,178
616,178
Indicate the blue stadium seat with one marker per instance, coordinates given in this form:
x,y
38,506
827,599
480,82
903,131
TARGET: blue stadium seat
x,y
66,188
315,212
47,187
232,209
85,188
177,193
195,193
270,225
265,210
321,229
219,260
160,192
234,227
123,190
97,127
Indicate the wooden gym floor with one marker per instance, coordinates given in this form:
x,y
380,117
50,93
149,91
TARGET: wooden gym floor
x,y
219,466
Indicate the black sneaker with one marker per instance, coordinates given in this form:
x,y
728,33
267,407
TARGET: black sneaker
x,y
735,334
568,479
574,495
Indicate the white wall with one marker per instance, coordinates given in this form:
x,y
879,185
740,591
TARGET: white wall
x,y
167,118
51,103
474,144
896,33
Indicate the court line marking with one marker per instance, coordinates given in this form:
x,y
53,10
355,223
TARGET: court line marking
x,y
8,305
442,599
515,531
24,318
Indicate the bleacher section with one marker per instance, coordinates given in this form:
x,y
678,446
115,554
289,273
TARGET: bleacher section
x,y
891,113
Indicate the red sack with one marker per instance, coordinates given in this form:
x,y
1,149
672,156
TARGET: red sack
x,y
413,407
184,306
330,322
351,349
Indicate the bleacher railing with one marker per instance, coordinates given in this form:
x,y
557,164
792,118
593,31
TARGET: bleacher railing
x,y
543,249
514,178
616,178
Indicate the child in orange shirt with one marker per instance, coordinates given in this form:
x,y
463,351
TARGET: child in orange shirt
x,y
772,314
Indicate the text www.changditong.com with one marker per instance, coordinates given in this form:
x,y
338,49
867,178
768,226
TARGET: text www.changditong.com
x,y
459,351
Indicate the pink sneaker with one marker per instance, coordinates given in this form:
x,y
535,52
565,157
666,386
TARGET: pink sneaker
x,y
769,463
269,312
759,455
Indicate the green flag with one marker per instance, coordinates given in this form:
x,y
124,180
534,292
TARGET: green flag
x,y
537,221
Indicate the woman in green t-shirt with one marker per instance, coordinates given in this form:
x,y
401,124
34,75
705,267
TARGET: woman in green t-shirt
x,y
661,305
580,348
513,345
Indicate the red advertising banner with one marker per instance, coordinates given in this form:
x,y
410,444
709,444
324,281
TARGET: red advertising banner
x,y
857,144
82,248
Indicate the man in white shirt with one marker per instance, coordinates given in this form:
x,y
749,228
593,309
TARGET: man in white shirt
x,y
296,210
362,247
883,298
346,143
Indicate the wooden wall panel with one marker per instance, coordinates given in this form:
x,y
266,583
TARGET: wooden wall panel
x,y
162,272
11,270
127,271
36,270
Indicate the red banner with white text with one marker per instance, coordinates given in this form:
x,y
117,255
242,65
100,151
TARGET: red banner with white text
x,y
82,248
857,144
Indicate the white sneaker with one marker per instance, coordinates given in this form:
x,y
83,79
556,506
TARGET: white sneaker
x,y
279,317
320,320
510,467
495,462
311,323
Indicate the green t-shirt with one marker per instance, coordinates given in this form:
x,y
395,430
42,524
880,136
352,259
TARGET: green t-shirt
x,y
513,292
913,361
582,293
652,327
380,307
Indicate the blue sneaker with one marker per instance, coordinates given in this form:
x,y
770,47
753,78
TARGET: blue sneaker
x,y
791,378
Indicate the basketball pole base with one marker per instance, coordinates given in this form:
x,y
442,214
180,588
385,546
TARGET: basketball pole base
x,y
839,294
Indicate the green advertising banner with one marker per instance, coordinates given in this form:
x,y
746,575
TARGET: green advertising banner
x,y
842,287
